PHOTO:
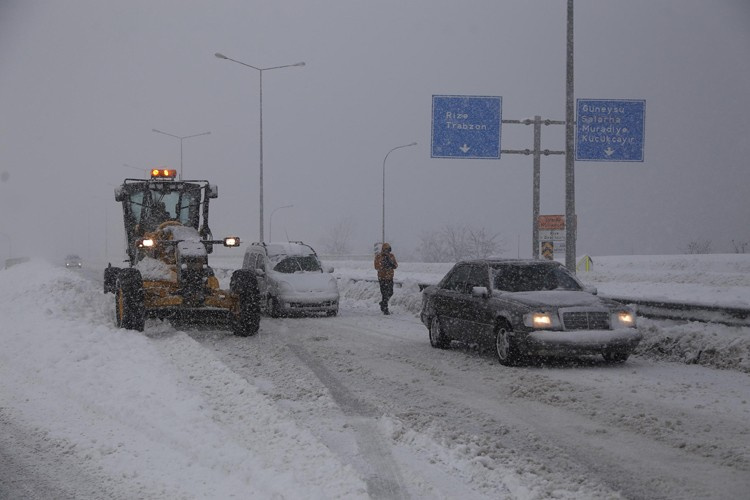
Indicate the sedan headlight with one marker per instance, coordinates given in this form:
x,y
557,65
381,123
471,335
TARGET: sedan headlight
x,y
623,319
541,320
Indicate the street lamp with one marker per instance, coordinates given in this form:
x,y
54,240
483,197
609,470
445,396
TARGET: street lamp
x,y
270,220
260,73
181,138
382,240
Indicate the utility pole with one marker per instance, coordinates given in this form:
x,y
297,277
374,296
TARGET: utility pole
x,y
537,152
570,185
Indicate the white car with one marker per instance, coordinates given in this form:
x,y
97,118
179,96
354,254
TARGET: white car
x,y
291,279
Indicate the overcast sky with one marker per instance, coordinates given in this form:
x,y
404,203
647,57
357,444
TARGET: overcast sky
x,y
84,82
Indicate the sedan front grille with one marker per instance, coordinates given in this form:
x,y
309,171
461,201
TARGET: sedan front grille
x,y
586,320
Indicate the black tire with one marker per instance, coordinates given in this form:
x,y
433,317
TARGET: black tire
x,y
332,312
130,310
438,339
110,279
246,316
615,356
272,307
505,346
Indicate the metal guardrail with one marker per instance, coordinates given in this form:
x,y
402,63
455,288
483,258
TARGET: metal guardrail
x,y
689,311
662,309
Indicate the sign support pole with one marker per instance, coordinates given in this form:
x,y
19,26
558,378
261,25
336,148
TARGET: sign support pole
x,y
570,187
537,152
537,186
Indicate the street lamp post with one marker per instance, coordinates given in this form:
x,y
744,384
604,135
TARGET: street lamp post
x,y
260,74
270,220
181,138
382,240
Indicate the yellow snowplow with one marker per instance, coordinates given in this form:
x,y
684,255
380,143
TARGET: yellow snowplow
x,y
168,242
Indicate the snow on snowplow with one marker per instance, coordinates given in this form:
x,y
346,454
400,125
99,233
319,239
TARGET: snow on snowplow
x,y
168,242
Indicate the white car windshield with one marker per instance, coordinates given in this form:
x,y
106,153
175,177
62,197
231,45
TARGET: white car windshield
x,y
531,278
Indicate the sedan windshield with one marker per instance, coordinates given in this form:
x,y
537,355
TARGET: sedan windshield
x,y
298,263
530,278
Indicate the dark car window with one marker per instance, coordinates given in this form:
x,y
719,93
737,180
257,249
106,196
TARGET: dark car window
x,y
529,278
478,276
457,279
298,263
249,262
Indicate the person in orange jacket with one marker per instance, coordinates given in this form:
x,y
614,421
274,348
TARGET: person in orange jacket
x,y
385,263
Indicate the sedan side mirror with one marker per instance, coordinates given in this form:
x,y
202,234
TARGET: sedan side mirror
x,y
480,291
260,272
329,269
591,289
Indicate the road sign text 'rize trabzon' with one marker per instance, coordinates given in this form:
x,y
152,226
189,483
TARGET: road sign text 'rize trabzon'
x,y
610,130
466,126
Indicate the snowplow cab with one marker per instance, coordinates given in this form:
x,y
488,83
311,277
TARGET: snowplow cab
x,y
168,243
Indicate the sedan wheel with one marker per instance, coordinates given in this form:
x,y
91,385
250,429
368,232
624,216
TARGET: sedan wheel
x,y
272,307
438,338
504,347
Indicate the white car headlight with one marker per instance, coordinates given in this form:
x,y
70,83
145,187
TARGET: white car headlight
x,y
623,319
333,285
541,320
285,287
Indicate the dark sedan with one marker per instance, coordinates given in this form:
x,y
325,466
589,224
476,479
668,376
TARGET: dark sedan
x,y
526,308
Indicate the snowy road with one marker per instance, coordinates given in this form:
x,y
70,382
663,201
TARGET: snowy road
x,y
357,406
460,425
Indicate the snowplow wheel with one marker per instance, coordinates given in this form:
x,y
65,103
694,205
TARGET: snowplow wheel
x,y
110,279
246,316
130,311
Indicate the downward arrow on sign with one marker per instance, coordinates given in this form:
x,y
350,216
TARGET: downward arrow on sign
x,y
609,151
465,148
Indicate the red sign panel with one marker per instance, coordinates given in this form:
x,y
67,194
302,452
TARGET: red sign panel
x,y
551,222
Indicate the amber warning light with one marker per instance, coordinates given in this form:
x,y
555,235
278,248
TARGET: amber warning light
x,y
163,173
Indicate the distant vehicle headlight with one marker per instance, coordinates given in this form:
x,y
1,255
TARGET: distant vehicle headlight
x,y
145,243
541,320
623,319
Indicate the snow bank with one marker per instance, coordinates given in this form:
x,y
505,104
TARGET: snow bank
x,y
146,415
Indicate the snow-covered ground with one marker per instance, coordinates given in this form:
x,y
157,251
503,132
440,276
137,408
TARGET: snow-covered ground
x,y
360,406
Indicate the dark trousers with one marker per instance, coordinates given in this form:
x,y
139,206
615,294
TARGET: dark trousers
x,y
386,290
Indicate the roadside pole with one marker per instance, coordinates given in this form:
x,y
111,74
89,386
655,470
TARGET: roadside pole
x,y
570,186
537,152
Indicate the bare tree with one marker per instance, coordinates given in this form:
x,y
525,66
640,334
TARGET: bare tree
x,y
452,243
698,246
741,246
336,239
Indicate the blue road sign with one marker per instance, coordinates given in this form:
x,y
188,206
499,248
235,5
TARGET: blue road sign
x,y
610,130
466,126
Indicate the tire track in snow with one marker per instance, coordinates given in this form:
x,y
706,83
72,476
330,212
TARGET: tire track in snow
x,y
385,480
